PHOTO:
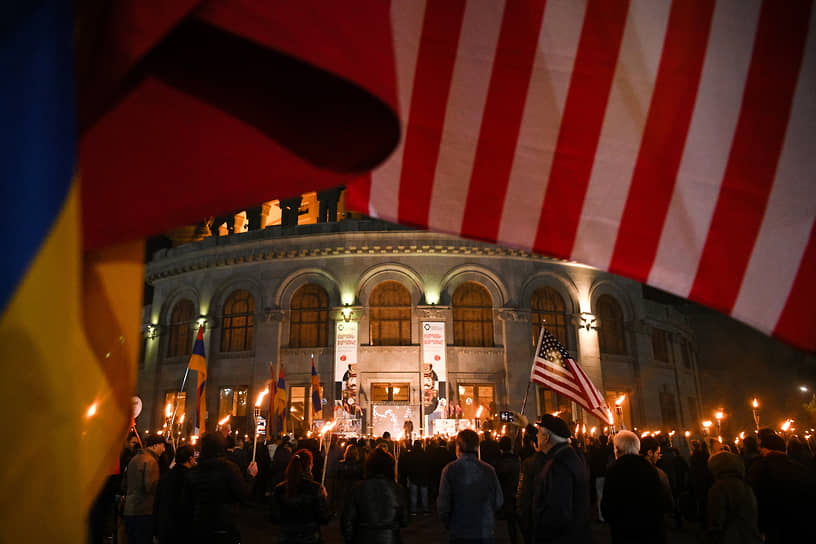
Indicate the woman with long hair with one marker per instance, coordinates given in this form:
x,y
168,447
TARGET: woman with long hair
x,y
299,503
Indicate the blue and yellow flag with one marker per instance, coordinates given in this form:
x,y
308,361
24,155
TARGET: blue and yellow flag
x,y
69,322
198,362
317,405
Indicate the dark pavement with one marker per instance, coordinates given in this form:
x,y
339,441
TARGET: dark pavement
x,y
423,529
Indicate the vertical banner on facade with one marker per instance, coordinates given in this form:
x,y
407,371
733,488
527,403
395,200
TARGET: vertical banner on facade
x,y
345,361
433,363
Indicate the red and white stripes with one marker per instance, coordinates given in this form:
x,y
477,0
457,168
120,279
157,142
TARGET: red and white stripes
x,y
669,142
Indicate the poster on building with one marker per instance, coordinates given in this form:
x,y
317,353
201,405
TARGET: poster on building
x,y
345,361
433,362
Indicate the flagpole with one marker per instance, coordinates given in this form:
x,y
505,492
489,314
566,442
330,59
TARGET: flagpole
x,y
524,402
175,408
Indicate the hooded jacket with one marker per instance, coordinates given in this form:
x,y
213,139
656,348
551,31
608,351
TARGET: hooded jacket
x,y
732,507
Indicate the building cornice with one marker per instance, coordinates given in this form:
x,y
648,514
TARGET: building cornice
x,y
243,250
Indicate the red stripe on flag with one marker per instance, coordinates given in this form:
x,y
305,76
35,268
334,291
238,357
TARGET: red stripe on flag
x,y
498,136
551,378
664,137
752,163
797,324
581,124
358,195
553,367
432,81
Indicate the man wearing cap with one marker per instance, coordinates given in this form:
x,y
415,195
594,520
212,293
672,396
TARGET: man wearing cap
x,y
141,481
553,498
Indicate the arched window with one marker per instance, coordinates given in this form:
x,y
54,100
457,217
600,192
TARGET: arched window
x,y
547,306
238,323
309,323
181,329
610,331
390,315
472,316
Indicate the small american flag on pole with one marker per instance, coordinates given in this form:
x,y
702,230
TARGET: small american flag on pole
x,y
554,367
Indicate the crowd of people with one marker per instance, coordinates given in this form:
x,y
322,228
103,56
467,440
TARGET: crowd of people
x,y
547,487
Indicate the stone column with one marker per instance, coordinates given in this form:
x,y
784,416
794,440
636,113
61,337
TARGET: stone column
x,y
518,360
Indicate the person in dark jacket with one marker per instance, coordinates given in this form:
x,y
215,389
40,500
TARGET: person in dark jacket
x,y
507,470
469,493
700,480
299,503
489,449
213,491
417,473
349,472
169,514
600,455
634,498
559,511
376,508
732,507
784,489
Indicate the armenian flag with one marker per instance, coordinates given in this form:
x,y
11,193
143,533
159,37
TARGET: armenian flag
x,y
317,405
280,401
198,362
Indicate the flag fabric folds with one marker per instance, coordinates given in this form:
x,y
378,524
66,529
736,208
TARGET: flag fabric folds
x,y
280,401
198,362
668,142
554,368
317,405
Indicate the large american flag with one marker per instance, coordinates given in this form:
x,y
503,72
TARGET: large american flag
x,y
554,368
668,142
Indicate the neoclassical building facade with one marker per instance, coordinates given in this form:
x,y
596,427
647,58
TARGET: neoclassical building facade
x,y
392,301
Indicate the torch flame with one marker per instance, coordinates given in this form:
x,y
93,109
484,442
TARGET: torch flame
x,y
329,425
224,421
91,411
787,424
644,434
504,429
261,397
479,411
742,435
620,400
755,404
168,410
671,433
181,420
706,424
583,429
719,414
592,431
687,433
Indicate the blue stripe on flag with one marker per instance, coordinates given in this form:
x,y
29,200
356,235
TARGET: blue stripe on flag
x,y
38,136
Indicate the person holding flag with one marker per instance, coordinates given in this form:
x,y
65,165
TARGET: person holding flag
x,y
198,362
555,368
317,405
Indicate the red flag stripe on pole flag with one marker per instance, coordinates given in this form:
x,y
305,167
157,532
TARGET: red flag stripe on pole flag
x,y
664,141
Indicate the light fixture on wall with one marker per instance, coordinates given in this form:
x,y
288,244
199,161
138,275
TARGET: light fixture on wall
x,y
201,322
346,313
588,321
151,331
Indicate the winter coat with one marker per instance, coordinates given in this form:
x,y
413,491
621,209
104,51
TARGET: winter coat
x,y
213,491
374,512
469,495
141,481
507,470
635,500
348,474
732,507
301,515
489,452
169,513
599,459
785,493
561,510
